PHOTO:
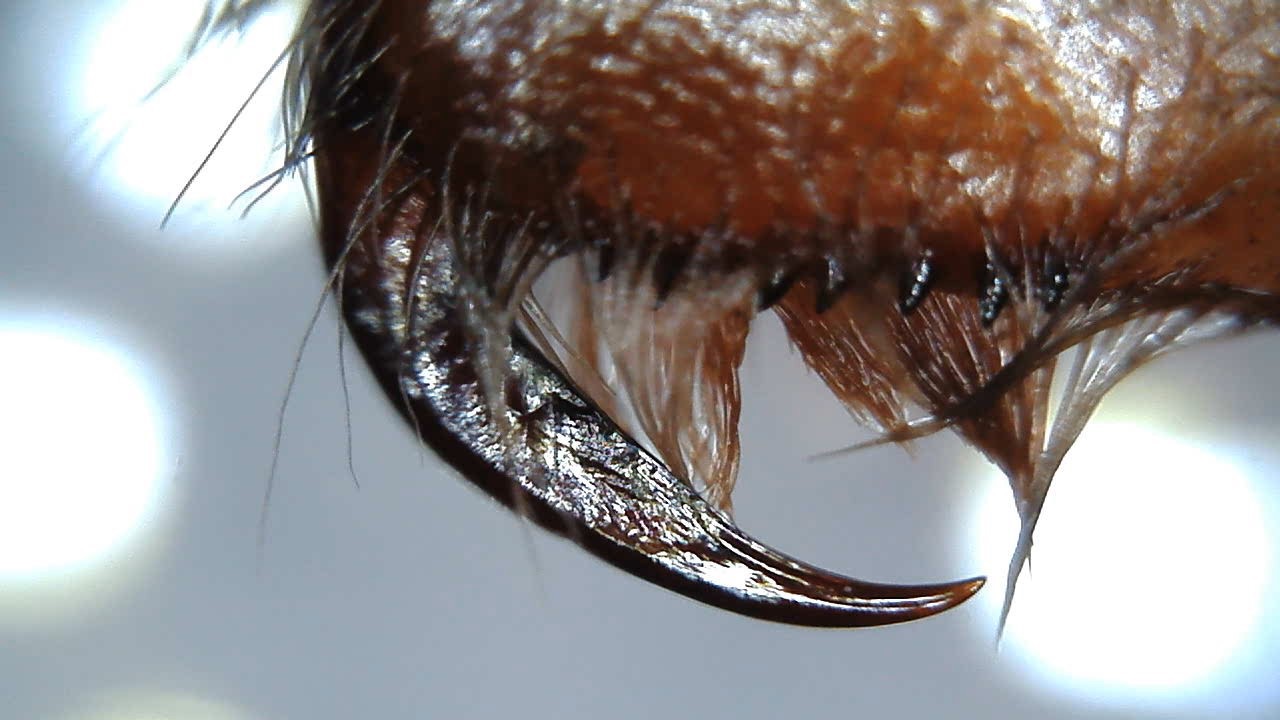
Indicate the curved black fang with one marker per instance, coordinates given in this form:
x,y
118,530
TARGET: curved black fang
x,y
564,464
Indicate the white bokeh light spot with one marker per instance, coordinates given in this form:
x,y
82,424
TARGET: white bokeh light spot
x,y
148,138
82,451
1148,573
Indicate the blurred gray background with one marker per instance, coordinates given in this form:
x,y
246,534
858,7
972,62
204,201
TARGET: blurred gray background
x,y
412,595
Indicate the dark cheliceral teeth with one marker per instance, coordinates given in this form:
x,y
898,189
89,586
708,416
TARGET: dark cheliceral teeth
x,y
995,294
832,282
1054,281
667,267
606,259
775,286
917,283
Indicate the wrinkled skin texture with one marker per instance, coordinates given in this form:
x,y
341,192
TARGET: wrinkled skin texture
x,y
937,198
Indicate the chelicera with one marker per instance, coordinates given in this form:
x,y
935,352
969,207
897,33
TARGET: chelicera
x,y
937,198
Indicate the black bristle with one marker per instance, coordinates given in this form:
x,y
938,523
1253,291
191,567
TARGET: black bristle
x,y
994,295
832,282
606,257
917,283
775,286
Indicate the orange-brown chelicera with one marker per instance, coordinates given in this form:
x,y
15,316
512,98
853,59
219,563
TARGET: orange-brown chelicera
x,y
938,199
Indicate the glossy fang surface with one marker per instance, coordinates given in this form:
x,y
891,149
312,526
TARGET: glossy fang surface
x,y
938,199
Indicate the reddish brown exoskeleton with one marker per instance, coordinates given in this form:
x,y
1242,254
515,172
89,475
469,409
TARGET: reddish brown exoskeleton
x,y
938,199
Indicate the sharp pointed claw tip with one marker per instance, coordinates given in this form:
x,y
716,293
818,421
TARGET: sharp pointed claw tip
x,y
906,603
952,594
932,600
956,591
969,588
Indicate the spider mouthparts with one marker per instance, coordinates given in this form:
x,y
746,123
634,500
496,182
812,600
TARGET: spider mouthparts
x,y
550,454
